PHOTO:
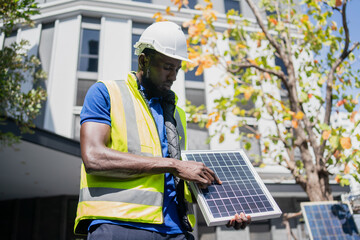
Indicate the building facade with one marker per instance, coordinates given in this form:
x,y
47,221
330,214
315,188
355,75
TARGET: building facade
x,y
80,42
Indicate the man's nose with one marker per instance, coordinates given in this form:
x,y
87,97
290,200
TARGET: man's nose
x,y
172,75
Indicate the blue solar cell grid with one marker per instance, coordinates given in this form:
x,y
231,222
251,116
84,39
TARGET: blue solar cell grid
x,y
330,221
239,192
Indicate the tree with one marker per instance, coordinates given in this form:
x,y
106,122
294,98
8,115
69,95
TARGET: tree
x,y
16,67
296,48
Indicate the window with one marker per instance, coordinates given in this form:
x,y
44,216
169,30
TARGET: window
x,y
88,62
88,57
197,137
247,105
190,76
134,59
195,96
192,3
138,29
232,4
44,54
195,93
89,50
260,230
45,46
283,92
255,151
82,88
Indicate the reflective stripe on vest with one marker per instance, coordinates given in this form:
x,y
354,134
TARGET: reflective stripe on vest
x,y
133,142
126,195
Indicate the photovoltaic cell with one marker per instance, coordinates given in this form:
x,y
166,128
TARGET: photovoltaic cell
x,y
241,190
329,220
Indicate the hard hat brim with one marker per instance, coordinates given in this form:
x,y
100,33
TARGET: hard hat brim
x,y
140,46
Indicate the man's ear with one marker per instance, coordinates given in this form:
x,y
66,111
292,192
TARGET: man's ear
x,y
143,62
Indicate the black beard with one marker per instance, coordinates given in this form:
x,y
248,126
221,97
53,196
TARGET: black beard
x,y
150,89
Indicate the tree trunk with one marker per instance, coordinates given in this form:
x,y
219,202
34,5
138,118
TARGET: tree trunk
x,y
317,183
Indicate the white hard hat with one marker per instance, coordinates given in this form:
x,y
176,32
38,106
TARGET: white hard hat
x,y
166,38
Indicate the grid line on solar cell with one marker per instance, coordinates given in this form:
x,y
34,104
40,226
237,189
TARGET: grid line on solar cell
x,y
330,221
237,180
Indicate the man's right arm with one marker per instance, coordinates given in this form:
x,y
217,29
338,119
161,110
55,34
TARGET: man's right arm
x,y
103,161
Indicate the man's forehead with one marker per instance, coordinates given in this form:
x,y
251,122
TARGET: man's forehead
x,y
163,58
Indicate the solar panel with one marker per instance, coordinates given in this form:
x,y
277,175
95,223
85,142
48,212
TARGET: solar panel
x,y
357,220
329,220
241,190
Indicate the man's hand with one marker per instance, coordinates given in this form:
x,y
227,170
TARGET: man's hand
x,y
196,172
239,221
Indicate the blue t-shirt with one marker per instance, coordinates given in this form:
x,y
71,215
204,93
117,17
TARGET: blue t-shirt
x,y
96,108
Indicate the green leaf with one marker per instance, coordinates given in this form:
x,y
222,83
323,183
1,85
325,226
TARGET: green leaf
x,y
247,146
324,126
334,141
351,57
344,182
349,107
299,164
304,97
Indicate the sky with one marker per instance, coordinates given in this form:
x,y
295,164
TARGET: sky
x,y
353,11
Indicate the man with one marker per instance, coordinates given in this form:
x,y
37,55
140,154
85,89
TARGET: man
x,y
132,179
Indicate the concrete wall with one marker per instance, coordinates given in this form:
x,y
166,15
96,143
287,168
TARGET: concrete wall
x,y
114,56
62,77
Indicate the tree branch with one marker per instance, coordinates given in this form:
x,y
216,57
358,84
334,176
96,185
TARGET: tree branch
x,y
278,74
290,163
330,77
312,136
285,221
260,21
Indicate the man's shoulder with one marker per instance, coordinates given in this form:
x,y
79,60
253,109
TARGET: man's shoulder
x,y
98,86
97,95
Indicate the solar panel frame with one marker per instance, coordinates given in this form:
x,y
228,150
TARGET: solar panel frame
x,y
310,227
210,219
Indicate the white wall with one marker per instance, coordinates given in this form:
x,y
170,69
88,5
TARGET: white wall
x,y
32,35
2,37
114,55
179,88
62,80
163,2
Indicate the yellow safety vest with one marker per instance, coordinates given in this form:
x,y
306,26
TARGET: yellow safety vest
x,y
133,130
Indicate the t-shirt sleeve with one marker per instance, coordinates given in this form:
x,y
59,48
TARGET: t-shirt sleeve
x,y
96,106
